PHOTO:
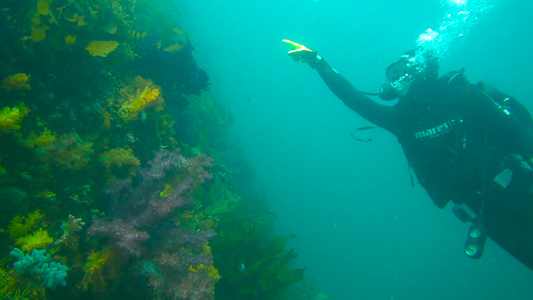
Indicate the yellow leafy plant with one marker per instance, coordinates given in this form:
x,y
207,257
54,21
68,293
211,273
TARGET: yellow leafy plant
x,y
78,13
142,94
17,82
43,7
42,140
119,159
75,18
69,152
70,39
137,35
94,271
38,30
38,239
179,40
8,284
167,190
107,117
10,118
15,288
21,226
101,48
211,271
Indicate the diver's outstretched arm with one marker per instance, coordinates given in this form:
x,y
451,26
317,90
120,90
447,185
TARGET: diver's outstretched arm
x,y
378,114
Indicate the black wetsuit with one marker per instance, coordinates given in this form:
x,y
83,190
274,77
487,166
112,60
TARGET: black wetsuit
x,y
457,140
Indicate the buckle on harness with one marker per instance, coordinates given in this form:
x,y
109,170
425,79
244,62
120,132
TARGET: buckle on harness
x,y
463,212
503,178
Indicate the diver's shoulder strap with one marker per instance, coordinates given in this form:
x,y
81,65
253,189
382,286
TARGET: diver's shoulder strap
x,y
507,103
454,84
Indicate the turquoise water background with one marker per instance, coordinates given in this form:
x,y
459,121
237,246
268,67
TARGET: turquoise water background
x,y
363,231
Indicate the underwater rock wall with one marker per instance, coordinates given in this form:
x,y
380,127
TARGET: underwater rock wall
x,y
116,166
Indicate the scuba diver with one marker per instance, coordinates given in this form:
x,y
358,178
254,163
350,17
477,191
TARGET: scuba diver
x,y
468,144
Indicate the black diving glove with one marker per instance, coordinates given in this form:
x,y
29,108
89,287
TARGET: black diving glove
x,y
302,53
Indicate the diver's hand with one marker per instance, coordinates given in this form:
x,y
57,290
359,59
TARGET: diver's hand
x,y
302,53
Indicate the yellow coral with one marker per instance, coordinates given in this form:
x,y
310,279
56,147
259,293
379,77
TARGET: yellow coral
x,y
14,288
210,270
213,272
11,117
69,152
119,160
178,39
94,270
20,226
81,21
101,48
147,94
38,239
70,39
44,139
17,82
75,18
137,35
38,30
8,284
119,157
71,18
168,189
48,195
107,117
111,27
43,7
206,249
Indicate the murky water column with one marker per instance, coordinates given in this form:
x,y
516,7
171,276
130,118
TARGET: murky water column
x,y
460,16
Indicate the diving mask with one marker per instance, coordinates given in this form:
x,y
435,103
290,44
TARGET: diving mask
x,y
415,70
399,79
